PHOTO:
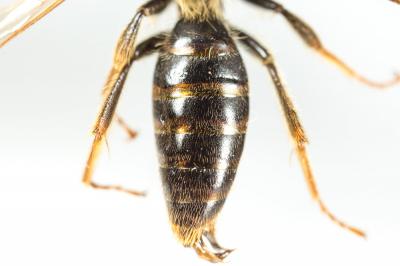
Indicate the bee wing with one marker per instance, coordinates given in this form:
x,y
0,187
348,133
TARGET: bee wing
x,y
21,14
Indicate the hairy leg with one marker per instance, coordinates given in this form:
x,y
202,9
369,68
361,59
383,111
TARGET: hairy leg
x,y
296,129
311,39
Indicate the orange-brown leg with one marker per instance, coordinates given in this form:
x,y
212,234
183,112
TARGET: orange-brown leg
x,y
132,134
87,177
311,39
296,130
103,122
112,92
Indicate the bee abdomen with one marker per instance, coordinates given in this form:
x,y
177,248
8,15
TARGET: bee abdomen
x,y
200,107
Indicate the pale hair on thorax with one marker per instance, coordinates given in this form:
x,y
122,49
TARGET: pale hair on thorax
x,y
199,9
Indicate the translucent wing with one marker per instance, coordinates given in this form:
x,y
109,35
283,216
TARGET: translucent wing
x,y
21,14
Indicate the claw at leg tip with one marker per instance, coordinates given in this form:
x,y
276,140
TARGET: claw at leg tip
x,y
358,232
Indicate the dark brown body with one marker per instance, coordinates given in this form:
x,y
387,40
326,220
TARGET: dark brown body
x,y
201,106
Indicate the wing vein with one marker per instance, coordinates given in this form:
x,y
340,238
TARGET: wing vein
x,y
23,15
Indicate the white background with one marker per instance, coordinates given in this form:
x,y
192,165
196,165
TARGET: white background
x,y
50,82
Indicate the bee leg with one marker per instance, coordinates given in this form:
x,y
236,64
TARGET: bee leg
x,y
295,127
111,94
132,134
311,39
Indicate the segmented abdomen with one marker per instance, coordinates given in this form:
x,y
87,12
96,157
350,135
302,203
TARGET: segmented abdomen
x,y
200,101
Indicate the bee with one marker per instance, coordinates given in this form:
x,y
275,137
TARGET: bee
x,y
200,106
